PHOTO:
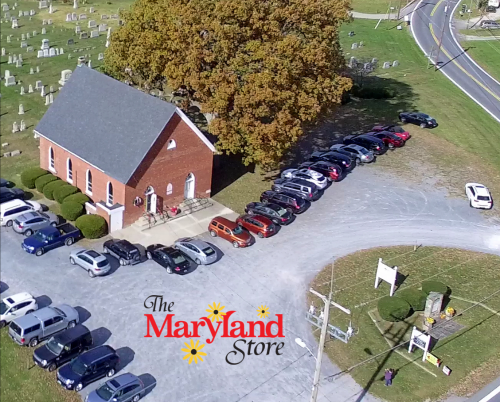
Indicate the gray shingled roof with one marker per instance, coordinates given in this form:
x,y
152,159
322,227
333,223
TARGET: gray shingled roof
x,y
105,122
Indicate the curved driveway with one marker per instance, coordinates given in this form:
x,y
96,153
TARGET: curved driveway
x,y
429,22
368,209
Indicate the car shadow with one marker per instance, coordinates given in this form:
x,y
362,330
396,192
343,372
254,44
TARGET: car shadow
x,y
100,336
45,208
142,251
43,301
219,252
28,195
113,262
307,206
3,287
83,313
126,356
149,383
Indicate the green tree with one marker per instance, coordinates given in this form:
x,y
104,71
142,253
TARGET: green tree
x,y
260,67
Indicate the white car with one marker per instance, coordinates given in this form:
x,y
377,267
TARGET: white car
x,y
479,196
305,174
16,306
10,210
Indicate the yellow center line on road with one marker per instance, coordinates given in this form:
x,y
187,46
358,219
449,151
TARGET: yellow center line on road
x,y
452,59
436,7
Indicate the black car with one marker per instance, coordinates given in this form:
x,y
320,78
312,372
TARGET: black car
x,y
376,145
170,258
123,250
9,194
290,202
335,157
420,119
88,367
63,347
330,170
279,215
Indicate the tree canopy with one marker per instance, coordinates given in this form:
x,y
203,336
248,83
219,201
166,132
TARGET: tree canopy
x,y
261,67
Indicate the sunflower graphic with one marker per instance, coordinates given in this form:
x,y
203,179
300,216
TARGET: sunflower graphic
x,y
193,352
262,311
216,312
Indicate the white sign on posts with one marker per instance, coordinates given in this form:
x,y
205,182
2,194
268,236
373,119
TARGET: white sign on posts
x,y
420,340
386,273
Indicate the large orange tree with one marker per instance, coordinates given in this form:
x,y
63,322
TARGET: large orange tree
x,y
261,67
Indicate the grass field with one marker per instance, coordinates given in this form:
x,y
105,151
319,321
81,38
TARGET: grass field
x,y
486,53
377,6
470,276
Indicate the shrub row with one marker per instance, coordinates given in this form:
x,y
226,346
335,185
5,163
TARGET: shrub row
x,y
62,192
434,286
29,176
71,210
42,181
48,190
80,198
92,226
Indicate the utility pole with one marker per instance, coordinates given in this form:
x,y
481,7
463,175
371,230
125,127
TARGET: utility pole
x,y
429,58
442,34
469,12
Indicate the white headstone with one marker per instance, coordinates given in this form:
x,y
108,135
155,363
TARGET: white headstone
x,y
23,37
15,24
8,39
37,69
74,17
10,81
395,63
91,10
68,17
15,127
40,54
44,31
30,89
38,84
103,27
94,34
21,109
51,89
7,73
354,45
30,49
78,29
89,65
101,56
14,58
3,51
20,57
52,52
9,61
32,12
49,22
42,93
92,24
51,98
82,17
352,62
75,4
109,34
47,100
65,74
46,53
5,7
61,50
45,44
19,63
107,43
23,125
20,14
386,64
51,9
28,35
34,33
44,22
24,44
21,92
42,4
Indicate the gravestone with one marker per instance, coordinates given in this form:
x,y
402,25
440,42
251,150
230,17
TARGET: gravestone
x,y
84,35
32,13
26,14
15,129
91,24
42,93
3,51
74,17
30,89
51,9
24,44
5,7
61,50
38,84
395,63
65,74
44,31
51,98
8,39
28,36
7,16
89,64
94,34
91,11
386,64
68,17
15,153
107,42
10,60
29,49
75,4
56,51
82,17
433,304
21,92
47,100
354,46
101,56
114,16
78,29
374,61
49,22
15,24
52,52
21,109
20,14
51,89
14,58
39,54
70,42
34,33
44,22
45,44
46,53
42,4
23,37
352,62
103,27
81,60
20,57
22,128
69,56
104,17
31,71
361,44
19,63
37,69
399,28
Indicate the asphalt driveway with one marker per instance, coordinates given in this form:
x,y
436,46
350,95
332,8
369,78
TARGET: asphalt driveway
x,y
367,209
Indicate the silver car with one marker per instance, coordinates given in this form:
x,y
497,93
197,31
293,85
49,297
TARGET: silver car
x,y
124,388
199,251
30,222
95,263
361,154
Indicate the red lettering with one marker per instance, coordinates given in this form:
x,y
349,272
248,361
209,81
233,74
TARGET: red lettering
x,y
151,321
184,329
241,330
225,334
213,331
279,323
197,324
262,329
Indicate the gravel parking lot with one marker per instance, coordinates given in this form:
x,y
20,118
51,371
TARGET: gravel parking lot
x,y
368,209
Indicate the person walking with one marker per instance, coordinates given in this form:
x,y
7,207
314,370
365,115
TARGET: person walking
x,y
388,377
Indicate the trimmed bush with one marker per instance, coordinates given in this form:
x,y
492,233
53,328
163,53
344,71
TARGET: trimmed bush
x,y
29,176
416,298
48,190
393,308
80,198
434,286
62,192
42,181
92,226
71,210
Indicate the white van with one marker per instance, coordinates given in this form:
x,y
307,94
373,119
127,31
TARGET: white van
x,y
10,210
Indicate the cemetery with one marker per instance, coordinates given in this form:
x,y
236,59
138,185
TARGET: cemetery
x,y
438,326
40,40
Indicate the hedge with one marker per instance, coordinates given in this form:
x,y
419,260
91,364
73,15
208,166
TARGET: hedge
x,y
62,192
92,226
416,298
393,308
71,210
80,198
48,190
434,286
42,181
29,176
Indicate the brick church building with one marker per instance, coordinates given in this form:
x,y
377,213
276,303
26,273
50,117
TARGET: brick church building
x,y
128,151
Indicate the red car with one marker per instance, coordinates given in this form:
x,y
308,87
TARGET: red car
x,y
390,139
258,224
399,131
328,169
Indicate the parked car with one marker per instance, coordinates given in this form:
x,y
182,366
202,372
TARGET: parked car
x,y
88,367
346,162
398,130
230,231
301,188
93,262
123,250
4,182
10,210
277,214
369,142
40,324
330,170
198,250
258,224
479,196
357,152
51,237
391,140
290,202
489,24
124,388
8,194
420,119
16,306
63,347
305,174
30,222
169,258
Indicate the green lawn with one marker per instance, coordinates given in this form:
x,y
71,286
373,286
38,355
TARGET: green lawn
x,y
376,6
470,276
486,53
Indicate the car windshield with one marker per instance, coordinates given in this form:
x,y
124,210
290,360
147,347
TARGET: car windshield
x,y
208,251
54,346
105,392
364,151
3,308
78,367
58,311
281,211
238,230
483,198
15,328
103,263
398,129
39,236
178,258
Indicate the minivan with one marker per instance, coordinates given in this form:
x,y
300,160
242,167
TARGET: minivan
x,y
63,347
10,210
302,188
230,231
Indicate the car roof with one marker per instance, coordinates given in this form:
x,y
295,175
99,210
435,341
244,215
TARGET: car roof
x,y
71,334
96,353
274,207
122,380
225,221
18,297
168,250
12,204
481,189
290,170
95,255
259,218
28,216
125,244
198,243
44,313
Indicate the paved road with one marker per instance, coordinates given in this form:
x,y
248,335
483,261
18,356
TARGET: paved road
x,y
490,393
429,21
368,209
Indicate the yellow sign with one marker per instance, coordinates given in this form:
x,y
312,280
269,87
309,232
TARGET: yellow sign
x,y
433,360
